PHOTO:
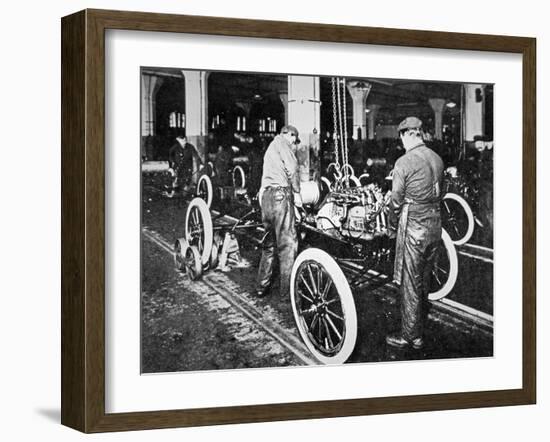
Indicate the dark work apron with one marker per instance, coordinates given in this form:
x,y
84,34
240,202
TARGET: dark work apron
x,y
402,227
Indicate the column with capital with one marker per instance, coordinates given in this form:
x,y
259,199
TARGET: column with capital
x,y
438,106
283,96
474,97
150,84
245,106
196,110
304,113
371,117
359,91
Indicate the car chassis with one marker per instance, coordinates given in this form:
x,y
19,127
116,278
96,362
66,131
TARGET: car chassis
x,y
351,223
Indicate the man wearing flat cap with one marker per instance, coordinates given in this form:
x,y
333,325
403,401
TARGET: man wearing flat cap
x,y
279,193
415,213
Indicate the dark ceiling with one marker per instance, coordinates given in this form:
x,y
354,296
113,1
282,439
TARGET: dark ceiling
x,y
396,97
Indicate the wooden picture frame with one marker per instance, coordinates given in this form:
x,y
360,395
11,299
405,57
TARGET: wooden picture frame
x,y
83,220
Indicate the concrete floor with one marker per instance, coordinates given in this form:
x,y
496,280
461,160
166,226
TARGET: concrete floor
x,y
217,323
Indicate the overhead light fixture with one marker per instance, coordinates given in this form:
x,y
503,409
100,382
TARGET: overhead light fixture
x,y
450,104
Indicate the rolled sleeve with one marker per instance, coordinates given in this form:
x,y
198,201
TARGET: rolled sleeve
x,y
290,165
397,194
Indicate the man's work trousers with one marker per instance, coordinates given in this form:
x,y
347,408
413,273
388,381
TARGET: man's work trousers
x,y
422,244
279,222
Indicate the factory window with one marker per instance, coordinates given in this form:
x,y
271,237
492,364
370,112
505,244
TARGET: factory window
x,y
177,119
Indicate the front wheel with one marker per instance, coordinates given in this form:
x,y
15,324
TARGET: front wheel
x,y
323,306
198,228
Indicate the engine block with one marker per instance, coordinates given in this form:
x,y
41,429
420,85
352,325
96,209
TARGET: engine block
x,y
359,212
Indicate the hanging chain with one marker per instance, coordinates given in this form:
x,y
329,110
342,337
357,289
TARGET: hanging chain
x,y
335,136
345,129
340,119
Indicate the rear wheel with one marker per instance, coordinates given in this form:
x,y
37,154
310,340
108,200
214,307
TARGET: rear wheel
x,y
215,252
180,247
457,218
445,269
193,264
323,306
239,179
204,189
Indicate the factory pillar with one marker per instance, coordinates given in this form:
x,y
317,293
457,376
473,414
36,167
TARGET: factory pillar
x,y
304,113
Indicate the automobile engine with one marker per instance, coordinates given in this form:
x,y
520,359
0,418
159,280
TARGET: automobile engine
x,y
358,212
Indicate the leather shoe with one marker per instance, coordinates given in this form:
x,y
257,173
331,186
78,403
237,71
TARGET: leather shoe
x,y
400,342
262,292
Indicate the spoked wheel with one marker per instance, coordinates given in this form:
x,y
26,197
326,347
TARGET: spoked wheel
x,y
211,170
215,252
260,195
445,271
193,264
180,247
457,218
204,189
198,228
323,306
239,179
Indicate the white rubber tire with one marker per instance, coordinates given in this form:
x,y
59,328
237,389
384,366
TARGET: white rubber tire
x,y
260,195
180,247
240,171
208,230
453,268
215,252
209,192
212,170
340,282
469,214
193,263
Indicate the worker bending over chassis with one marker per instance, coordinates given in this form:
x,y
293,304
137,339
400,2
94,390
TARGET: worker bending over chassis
x,y
281,192
416,199
181,157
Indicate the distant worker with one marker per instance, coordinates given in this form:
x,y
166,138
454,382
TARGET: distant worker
x,y
181,157
416,198
281,192
222,163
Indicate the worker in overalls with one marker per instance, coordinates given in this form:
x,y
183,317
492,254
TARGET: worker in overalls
x,y
182,156
415,203
280,192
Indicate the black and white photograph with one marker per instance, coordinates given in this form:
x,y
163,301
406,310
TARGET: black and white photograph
x,y
291,220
